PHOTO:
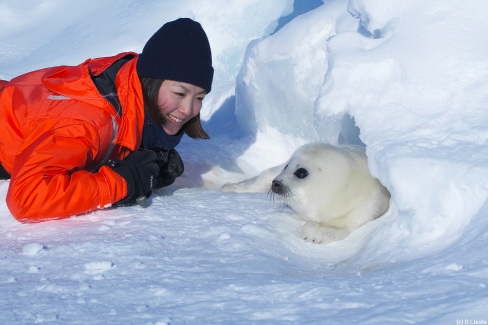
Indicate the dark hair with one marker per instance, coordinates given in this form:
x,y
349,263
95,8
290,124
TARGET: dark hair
x,y
150,89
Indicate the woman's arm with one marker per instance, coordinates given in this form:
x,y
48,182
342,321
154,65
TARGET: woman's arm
x,y
52,176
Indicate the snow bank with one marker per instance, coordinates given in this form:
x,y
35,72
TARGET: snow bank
x,y
419,84
282,74
415,86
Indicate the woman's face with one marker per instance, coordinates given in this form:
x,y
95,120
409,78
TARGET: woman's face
x,y
178,102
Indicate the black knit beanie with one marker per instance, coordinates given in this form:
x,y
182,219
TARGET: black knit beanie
x,y
178,51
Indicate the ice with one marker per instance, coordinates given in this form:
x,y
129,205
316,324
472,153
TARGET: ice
x,y
32,249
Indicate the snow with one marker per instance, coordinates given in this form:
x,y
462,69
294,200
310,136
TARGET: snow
x,y
407,78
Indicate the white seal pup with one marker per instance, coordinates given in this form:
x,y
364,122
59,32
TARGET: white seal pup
x,y
329,187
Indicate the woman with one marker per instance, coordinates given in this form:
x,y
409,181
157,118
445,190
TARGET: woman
x,y
74,139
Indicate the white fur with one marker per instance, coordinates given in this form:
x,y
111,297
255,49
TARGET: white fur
x,y
338,195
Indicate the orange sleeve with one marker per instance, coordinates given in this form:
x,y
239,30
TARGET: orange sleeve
x,y
51,178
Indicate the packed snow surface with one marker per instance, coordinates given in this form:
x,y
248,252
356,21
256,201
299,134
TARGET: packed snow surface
x,y
406,78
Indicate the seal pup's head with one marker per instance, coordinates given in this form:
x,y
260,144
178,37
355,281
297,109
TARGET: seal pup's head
x,y
323,183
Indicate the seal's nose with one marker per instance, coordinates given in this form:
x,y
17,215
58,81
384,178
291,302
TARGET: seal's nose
x,y
277,187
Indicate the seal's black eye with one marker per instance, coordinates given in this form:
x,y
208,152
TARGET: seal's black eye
x,y
301,173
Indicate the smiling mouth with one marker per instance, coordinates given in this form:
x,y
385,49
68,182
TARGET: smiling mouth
x,y
174,119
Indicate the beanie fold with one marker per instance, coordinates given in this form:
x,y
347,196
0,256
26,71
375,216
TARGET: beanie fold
x,y
178,69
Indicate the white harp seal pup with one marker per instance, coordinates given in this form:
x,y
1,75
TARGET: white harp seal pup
x,y
329,187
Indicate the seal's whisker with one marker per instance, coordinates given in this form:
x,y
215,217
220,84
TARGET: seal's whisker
x,y
270,194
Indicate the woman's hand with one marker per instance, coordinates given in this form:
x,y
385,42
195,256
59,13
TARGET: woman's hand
x,y
140,171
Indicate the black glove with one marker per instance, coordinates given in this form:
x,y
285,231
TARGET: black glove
x,y
170,167
140,171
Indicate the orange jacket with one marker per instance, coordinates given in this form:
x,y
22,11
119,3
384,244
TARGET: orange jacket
x,y
56,130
